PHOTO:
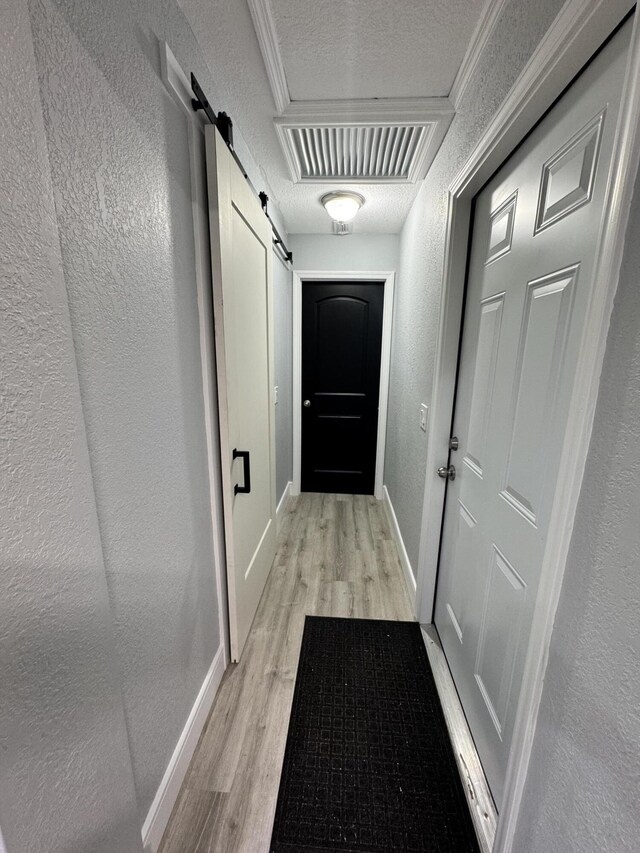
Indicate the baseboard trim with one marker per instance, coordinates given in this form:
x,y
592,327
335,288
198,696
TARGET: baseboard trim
x,y
282,505
167,794
476,788
409,577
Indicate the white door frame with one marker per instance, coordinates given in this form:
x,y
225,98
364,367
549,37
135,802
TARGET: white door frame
x,y
576,34
388,279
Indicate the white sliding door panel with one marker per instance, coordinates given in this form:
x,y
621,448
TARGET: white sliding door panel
x,y
531,277
242,287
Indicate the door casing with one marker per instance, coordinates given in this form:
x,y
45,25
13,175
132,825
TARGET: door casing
x,y
299,278
574,37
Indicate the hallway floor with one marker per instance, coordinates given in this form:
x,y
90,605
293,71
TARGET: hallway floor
x,y
336,557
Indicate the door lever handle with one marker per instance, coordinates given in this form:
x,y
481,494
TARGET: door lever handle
x,y
447,473
246,458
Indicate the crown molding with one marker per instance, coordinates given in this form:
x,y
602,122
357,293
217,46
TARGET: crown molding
x,y
265,28
264,25
434,114
481,35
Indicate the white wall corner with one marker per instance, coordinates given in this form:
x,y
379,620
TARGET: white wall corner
x,y
282,505
409,576
479,40
169,788
265,28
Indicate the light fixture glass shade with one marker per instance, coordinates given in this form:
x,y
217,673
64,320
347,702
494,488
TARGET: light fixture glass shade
x,y
342,206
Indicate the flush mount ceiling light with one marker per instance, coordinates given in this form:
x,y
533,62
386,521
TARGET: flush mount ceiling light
x,y
342,206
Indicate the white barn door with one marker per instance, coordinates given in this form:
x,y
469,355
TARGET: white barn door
x,y
241,253
531,277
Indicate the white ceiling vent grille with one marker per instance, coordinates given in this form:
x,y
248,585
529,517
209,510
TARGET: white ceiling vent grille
x,y
362,142
355,153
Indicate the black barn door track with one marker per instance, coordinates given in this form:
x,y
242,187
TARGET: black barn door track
x,y
368,765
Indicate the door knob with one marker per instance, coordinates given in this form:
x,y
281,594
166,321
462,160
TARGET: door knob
x,y
306,404
447,473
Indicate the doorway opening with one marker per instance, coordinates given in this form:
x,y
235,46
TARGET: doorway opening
x,y
531,277
341,349
341,308
540,84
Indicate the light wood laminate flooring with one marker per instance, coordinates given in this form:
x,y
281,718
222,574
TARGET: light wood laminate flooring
x,y
336,557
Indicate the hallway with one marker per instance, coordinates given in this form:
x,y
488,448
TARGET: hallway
x,y
336,557
199,201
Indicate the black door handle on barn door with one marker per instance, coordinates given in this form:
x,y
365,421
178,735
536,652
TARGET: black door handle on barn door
x,y
244,455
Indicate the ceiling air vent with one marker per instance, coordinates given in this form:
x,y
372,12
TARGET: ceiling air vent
x,y
362,142
338,153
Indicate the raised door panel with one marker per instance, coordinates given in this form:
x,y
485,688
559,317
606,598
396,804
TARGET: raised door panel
x,y
568,177
249,390
500,637
341,334
483,382
466,549
339,450
540,359
501,229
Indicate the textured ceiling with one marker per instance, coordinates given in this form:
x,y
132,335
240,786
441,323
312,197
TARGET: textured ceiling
x,y
229,43
372,49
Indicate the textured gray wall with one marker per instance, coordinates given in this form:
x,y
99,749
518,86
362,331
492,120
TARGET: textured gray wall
x,y
355,252
583,782
65,774
520,28
126,592
118,151
283,293
119,161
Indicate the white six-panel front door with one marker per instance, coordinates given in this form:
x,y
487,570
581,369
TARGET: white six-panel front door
x,y
531,274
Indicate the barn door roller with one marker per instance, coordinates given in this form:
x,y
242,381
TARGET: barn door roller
x,y
225,127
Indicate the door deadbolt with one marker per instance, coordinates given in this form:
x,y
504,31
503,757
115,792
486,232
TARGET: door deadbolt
x,y
454,444
447,473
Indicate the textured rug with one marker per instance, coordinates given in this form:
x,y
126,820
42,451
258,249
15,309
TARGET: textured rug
x,y
368,764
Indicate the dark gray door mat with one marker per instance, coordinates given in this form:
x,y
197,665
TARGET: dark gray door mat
x,y
368,765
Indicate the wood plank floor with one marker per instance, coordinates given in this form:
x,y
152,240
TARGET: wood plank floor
x,y
336,557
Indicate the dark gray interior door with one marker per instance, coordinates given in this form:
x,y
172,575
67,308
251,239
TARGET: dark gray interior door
x,y
341,348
